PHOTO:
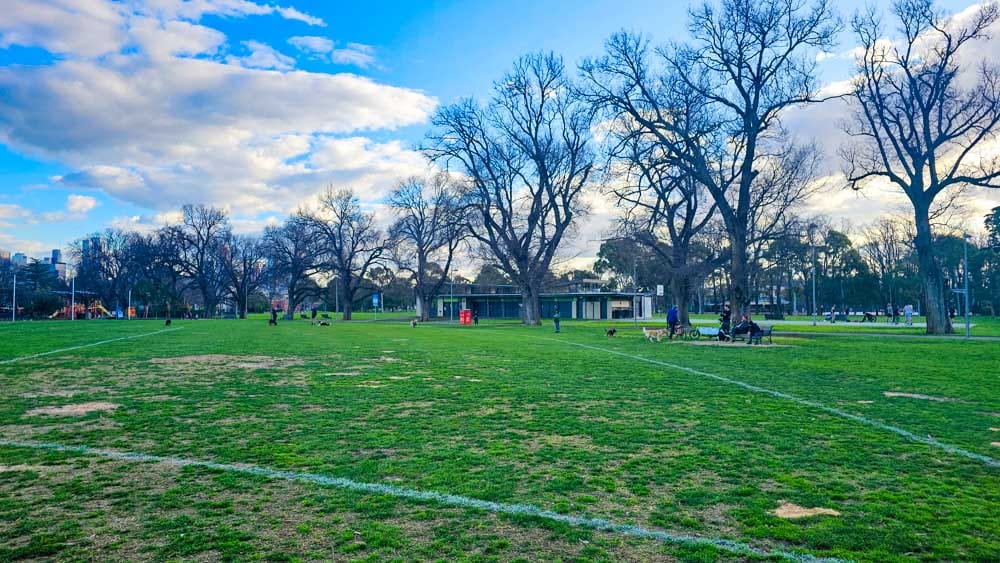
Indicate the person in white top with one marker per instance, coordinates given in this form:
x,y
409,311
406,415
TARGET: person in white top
x,y
908,315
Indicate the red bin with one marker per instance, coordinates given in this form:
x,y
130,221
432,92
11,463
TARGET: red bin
x,y
465,317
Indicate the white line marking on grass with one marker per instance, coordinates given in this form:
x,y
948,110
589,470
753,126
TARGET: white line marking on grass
x,y
49,353
429,496
857,418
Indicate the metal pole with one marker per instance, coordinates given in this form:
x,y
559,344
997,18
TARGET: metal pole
x,y
246,300
451,303
72,299
965,269
635,293
128,310
814,284
13,299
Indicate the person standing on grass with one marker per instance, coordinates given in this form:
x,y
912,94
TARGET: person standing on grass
x,y
673,319
908,315
475,318
555,319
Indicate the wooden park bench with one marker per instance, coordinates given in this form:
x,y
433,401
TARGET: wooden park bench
x,y
765,331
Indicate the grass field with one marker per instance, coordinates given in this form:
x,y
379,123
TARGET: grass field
x,y
680,440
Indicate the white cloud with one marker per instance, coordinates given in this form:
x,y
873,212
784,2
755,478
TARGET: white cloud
x,y
312,44
356,54
13,211
293,14
174,116
80,204
262,56
86,28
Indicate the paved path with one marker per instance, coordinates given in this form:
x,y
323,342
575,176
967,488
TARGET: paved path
x,y
887,335
888,326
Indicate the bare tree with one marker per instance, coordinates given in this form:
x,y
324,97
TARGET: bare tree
x,y
885,249
664,209
243,266
293,254
715,105
428,230
350,242
110,267
196,242
920,125
527,157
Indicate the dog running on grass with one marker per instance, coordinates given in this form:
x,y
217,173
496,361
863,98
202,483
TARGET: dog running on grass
x,y
167,323
611,332
413,323
654,333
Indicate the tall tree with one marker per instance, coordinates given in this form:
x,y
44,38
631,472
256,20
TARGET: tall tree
x,y
664,209
349,240
921,120
428,230
197,241
243,267
293,256
715,107
527,157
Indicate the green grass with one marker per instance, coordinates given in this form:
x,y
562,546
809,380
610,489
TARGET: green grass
x,y
496,412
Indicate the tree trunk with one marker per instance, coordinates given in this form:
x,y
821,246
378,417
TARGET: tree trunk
x,y
348,302
292,303
936,306
423,313
531,306
739,291
680,296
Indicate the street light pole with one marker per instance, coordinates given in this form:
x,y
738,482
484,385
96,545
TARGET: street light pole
x,y
635,293
72,299
128,309
812,227
13,299
965,269
814,284
451,303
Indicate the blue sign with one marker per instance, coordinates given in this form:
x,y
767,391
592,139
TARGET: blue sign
x,y
374,300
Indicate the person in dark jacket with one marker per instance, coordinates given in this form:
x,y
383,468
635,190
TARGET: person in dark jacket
x,y
555,319
673,320
725,322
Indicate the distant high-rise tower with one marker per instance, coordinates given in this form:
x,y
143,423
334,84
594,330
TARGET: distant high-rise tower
x,y
56,256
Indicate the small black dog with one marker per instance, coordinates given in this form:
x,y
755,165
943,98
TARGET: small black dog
x,y
167,323
273,322
611,332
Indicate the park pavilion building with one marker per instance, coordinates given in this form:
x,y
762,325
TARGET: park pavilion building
x,y
584,299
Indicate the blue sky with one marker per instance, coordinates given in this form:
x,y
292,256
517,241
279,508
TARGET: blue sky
x,y
116,114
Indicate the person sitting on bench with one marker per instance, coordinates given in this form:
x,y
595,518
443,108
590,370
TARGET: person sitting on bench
x,y
743,327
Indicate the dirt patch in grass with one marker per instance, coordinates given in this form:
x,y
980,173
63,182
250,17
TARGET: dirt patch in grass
x,y
79,409
231,362
996,444
33,468
791,511
921,396
865,402
562,441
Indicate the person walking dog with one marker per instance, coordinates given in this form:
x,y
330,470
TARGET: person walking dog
x,y
673,320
